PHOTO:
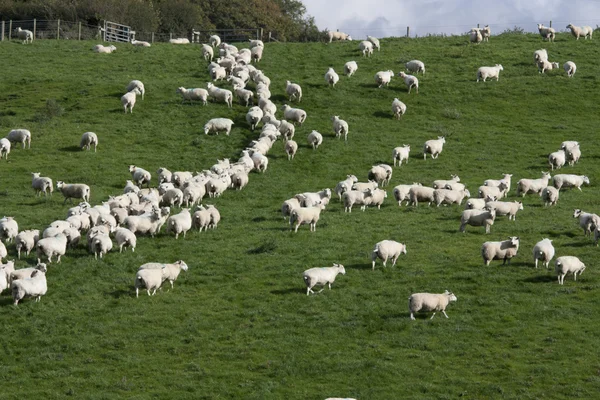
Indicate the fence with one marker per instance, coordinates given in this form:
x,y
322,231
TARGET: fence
x,y
44,29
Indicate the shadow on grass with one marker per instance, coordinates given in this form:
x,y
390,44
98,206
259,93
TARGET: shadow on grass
x,y
283,292
579,244
540,279
364,266
71,149
120,293
280,98
382,114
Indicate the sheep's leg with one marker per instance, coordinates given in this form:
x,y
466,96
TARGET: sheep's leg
x,y
412,317
432,316
445,315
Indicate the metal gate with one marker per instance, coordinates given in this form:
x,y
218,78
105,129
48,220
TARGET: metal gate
x,y
114,32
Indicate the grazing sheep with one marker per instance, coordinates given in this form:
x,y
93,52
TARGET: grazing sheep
x,y
475,36
88,139
135,84
489,72
104,49
434,147
567,180
51,246
430,302
410,81
321,276
398,108
584,31
477,218
400,154
375,42
101,244
366,47
25,241
587,221
140,176
27,36
421,193
350,68
545,65
220,95
74,191
448,196
525,186
20,136
331,77
402,192
441,183
293,90
331,35
570,68
415,66
387,249
4,148
543,251
36,286
41,184
382,174
546,33
509,208
291,147
140,43
306,215
549,195
359,197
340,127
315,139
557,159
504,250
566,264
194,94
383,78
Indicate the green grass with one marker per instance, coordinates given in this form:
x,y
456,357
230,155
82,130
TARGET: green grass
x,y
239,324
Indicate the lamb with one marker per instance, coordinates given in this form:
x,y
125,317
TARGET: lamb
x,y
311,199
25,273
214,40
477,218
504,250
540,55
331,77
36,286
567,180
509,208
557,159
315,139
195,94
398,108
140,43
350,68
306,215
101,244
434,147
375,42
415,66
401,193
587,221
475,36
88,139
340,127
74,191
366,47
430,302
447,196
41,184
128,100
27,36
291,147
26,241
140,176
345,185
358,197
207,52
566,264
135,84
543,251
253,117
400,154
294,114
293,90
492,191
570,68
489,72
546,33
377,198
584,31
51,246
525,186
151,275
4,148
545,65
179,223
381,173
441,183
486,32
218,94
104,49
410,81
383,78
337,36
20,136
421,193
549,195
321,276
387,249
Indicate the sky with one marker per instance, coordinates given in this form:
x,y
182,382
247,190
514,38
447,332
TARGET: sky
x,y
384,18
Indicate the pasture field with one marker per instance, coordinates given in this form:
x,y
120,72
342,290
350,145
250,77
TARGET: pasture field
x,y
238,323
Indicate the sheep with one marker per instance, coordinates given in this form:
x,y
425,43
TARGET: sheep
x,y
119,214
345,185
540,55
216,186
214,40
478,204
549,195
415,66
557,159
291,147
20,136
140,176
475,36
6,271
421,193
74,191
398,109
4,148
201,218
4,252
218,94
441,183
140,43
434,147
218,73
340,127
128,100
253,117
496,182
104,49
101,244
193,193
207,52
401,193
546,33
358,197
375,42
477,218
489,72
147,223
486,32
400,154
567,180
256,53
543,251
387,249
331,77
294,114
383,78
362,186
311,199
525,186
164,176
430,302
315,139
41,184
596,235
287,129
321,276
504,250
195,94
410,81
331,35
447,196
245,96
377,198
492,191
179,223
570,68
51,246
25,273
25,241
381,173
584,31
27,36
215,216
260,161
587,221
152,275
135,84
266,105
293,90
239,180
88,139
172,197
179,41
573,153
256,43
366,47
350,68
509,208
566,264
545,65
36,286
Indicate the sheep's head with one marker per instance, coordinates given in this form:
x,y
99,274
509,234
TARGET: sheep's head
x,y
450,295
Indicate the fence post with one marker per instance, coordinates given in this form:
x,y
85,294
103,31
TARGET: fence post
x,y
408,31
269,36
10,30
2,33
477,26
79,36
261,34
550,24
152,40
58,29
170,35
34,27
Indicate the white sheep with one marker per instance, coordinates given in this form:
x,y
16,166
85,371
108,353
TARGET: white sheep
x,y
430,302
321,276
36,286
261,162
291,147
294,114
340,127
506,179
179,41
441,183
486,32
293,90
220,95
218,73
194,94
345,185
20,136
253,117
509,208
128,100
311,199
315,139
477,218
377,198
570,68
375,42
497,192
540,55
543,251
25,273
398,108
25,241
201,218
256,53
415,66
4,253
125,238
140,176
504,250
381,173
4,148
88,139
172,197
288,206
140,43
245,96
74,191
331,77
410,81
434,147
41,184
584,31
566,264
549,196
400,154
101,244
587,221
383,78
256,43
475,36
421,193
489,72
366,47
545,65
104,49
478,204
350,68
447,196
207,52
306,215
557,159
331,35
525,186
27,36
179,223
151,275
567,180
387,249
214,40
135,84
402,192
359,197
51,246
573,153
546,33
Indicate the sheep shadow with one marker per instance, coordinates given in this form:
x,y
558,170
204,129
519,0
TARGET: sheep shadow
x,y
359,266
395,316
121,293
579,244
371,86
540,279
283,292
279,98
70,149
381,114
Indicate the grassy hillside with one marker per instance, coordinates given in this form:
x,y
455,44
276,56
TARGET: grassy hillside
x,y
238,324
